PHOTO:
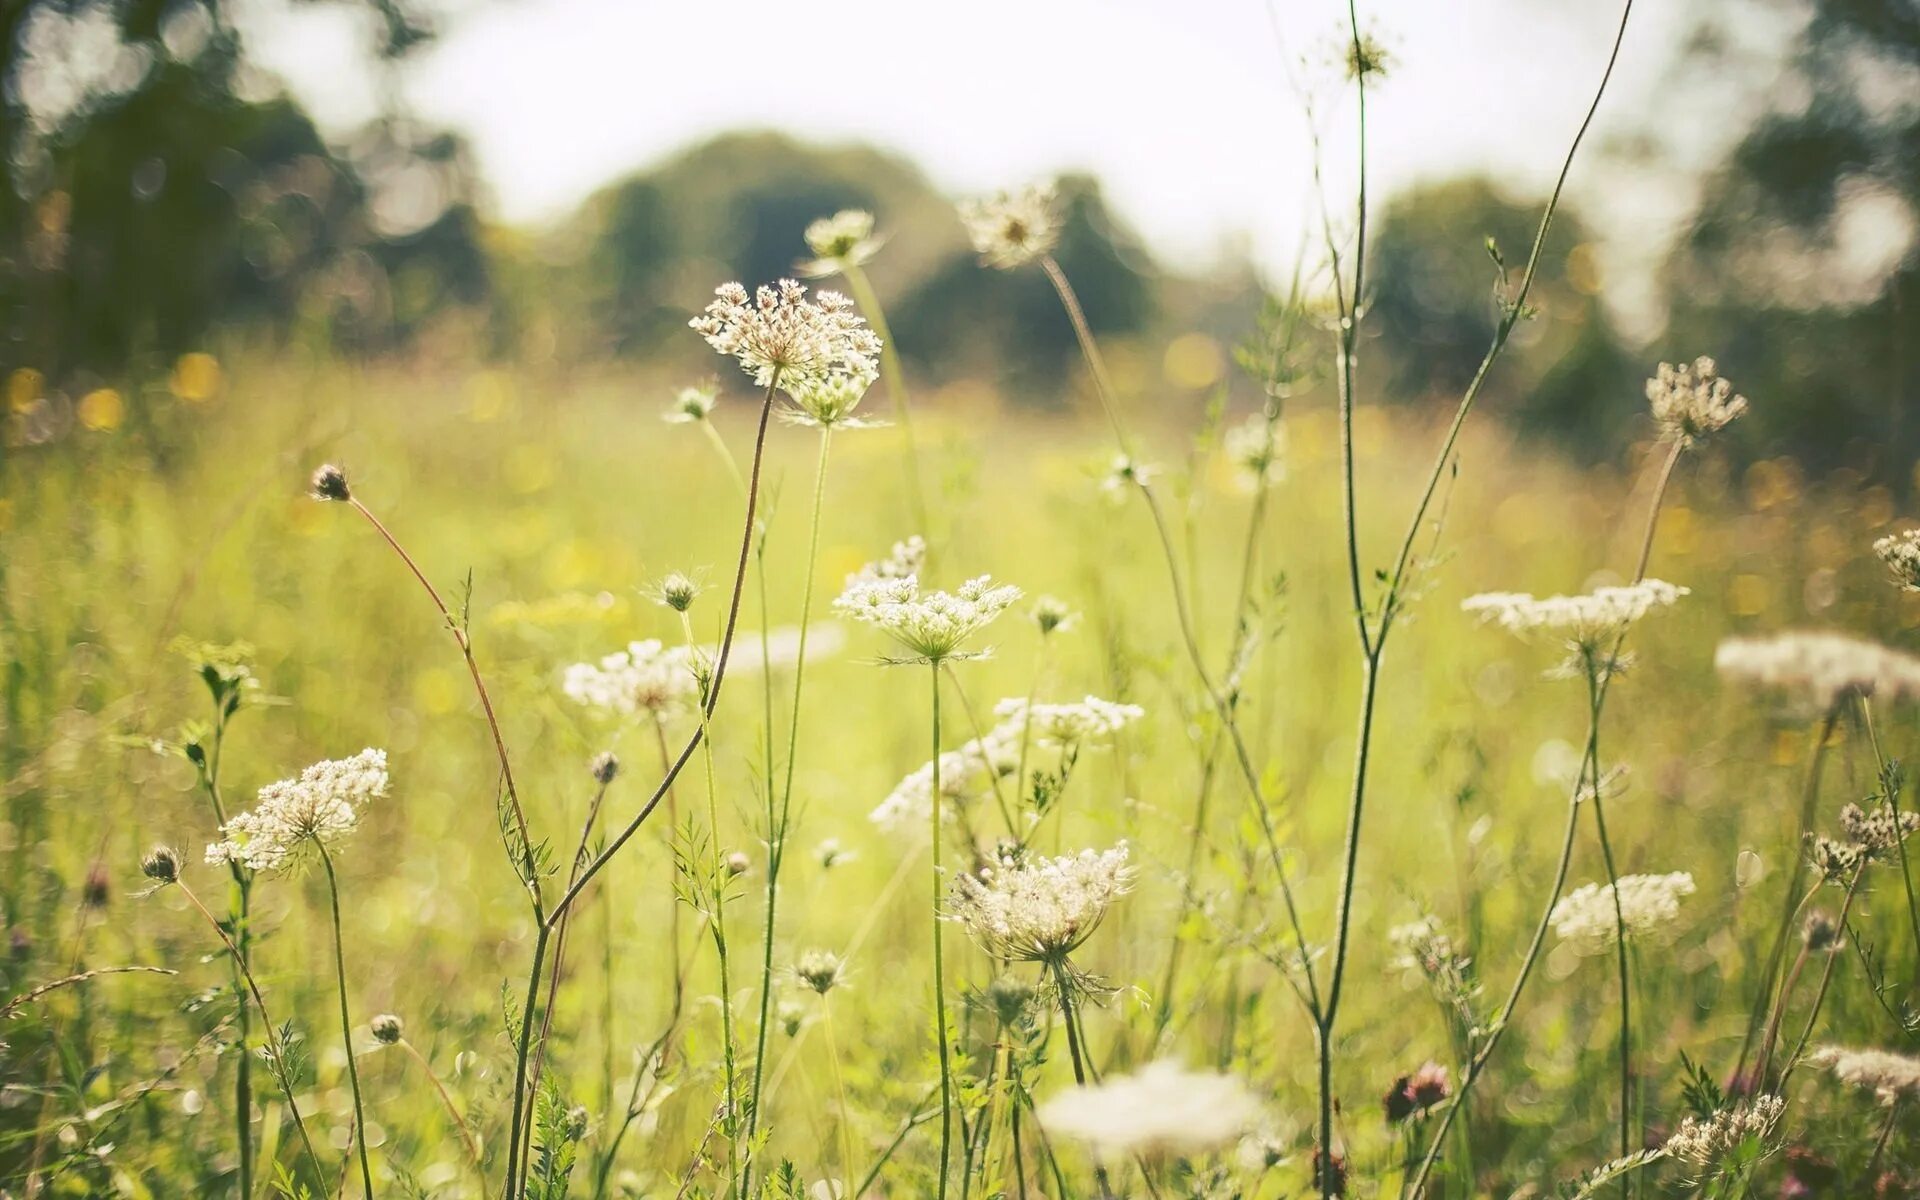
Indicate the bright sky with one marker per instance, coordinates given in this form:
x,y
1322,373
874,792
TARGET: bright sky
x,y
1184,109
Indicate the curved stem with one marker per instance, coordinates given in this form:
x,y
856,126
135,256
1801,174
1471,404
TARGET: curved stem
x,y
1620,950
1089,349
1826,980
346,1023
446,1100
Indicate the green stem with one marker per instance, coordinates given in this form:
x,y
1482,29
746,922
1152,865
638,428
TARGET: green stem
x,y
346,1024
896,381
730,1110
939,964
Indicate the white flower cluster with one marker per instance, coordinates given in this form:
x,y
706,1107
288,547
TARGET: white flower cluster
x,y
1704,1142
1879,829
933,625
1649,905
1040,909
1891,1077
1822,668
1065,725
1585,619
1161,1109
646,677
322,805
1254,449
965,774
1901,553
1690,401
779,332
1011,229
843,240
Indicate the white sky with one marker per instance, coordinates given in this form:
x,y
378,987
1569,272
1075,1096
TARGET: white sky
x,y
1182,109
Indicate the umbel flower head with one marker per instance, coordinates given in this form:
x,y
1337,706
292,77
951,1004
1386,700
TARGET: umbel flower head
x,y
1691,401
646,677
1649,905
1584,620
933,625
965,774
1041,909
1821,669
1011,229
692,404
1891,1077
845,239
321,806
1901,553
780,333
827,401
1161,1109
1704,1141
1065,725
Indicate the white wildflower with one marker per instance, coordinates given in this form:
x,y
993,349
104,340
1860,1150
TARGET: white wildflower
x,y
933,625
1011,229
1254,448
1125,473
1891,1077
1649,905
1704,1142
1161,1109
845,239
778,332
1821,668
827,401
1690,401
1583,620
1901,553
692,404
1879,829
965,775
646,677
1041,909
1066,725
321,806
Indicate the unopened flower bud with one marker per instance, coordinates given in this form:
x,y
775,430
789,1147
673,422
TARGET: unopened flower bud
x,y
738,863
330,483
162,864
388,1029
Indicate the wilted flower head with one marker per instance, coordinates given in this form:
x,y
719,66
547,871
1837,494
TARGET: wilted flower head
x,y
1891,1077
1072,725
1254,448
1901,553
161,864
330,483
1011,229
778,332
821,970
1041,909
1703,1142
321,806
1161,1109
1649,905
1819,933
646,677
1691,401
388,1029
1052,615
934,626
692,404
1821,668
1412,1095
843,240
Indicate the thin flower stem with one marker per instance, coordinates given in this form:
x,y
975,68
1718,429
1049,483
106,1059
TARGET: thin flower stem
x,y
239,909
896,381
346,1022
446,1100
460,638
542,932
1090,349
839,1089
1880,1143
1774,1022
1893,802
1826,980
1620,932
939,965
778,823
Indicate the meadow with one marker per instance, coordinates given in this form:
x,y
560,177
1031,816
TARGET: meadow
x,y
669,806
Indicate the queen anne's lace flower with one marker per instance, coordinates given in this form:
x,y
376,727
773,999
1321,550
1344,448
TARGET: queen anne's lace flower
x,y
1891,1077
1161,1109
965,774
778,332
1066,725
1690,401
1011,229
646,677
1040,909
1584,620
1901,553
1821,668
1704,1142
933,625
1649,905
828,401
1254,448
321,806
846,239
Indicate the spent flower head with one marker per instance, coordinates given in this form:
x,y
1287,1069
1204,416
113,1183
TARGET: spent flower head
x,y
321,806
1416,1094
388,1029
692,404
1011,229
1649,906
1691,401
1901,553
845,239
1161,1109
1040,909
1052,615
778,333
676,590
604,767
162,865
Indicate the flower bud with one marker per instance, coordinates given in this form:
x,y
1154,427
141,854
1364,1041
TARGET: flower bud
x,y
330,483
604,767
738,863
162,865
388,1029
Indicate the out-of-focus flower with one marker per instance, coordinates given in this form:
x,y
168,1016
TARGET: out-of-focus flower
x,y
1691,401
1161,1109
1649,905
845,239
1011,229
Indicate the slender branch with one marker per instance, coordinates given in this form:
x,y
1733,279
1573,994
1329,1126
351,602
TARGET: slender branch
x,y
1089,349
346,1022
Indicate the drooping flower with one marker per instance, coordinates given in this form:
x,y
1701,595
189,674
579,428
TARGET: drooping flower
x,y
845,239
779,332
1011,229
692,404
1691,401
1891,1077
1901,553
647,677
1254,448
1703,1142
1066,725
934,625
320,807
1040,909
1649,905
1161,1109
1820,668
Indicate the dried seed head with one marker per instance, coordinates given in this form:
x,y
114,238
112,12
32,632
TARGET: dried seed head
x,y
388,1029
604,767
162,865
330,483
